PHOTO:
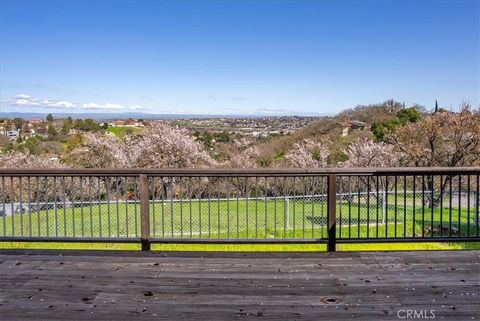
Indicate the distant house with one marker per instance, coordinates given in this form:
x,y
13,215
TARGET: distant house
x,y
74,131
118,123
127,122
36,121
353,125
358,125
12,134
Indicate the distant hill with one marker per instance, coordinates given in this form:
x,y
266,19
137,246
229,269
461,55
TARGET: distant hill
x,y
331,127
135,115
98,116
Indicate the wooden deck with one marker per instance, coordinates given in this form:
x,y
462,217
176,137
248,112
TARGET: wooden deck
x,y
43,285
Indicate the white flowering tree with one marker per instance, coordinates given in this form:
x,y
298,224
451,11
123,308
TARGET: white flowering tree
x,y
364,152
441,139
17,160
160,146
28,189
308,154
99,151
163,146
247,158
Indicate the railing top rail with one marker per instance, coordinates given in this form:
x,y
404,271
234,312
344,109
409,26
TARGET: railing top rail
x,y
189,172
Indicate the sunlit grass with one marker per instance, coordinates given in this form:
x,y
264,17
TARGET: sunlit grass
x,y
409,246
68,246
120,131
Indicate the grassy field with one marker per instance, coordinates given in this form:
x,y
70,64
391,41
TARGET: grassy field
x,y
265,219
120,131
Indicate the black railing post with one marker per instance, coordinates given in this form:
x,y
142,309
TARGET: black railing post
x,y
332,212
144,212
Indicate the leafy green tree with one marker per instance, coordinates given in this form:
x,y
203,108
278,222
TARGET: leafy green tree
x,y
49,117
18,122
31,145
408,115
381,129
88,125
206,139
65,129
404,116
67,125
51,130
78,124
91,125
222,137
73,142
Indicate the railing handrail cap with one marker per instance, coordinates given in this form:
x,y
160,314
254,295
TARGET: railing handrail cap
x,y
240,171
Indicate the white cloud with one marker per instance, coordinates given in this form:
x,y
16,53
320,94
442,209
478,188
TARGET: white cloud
x,y
64,104
22,100
22,96
57,104
137,107
107,106
25,102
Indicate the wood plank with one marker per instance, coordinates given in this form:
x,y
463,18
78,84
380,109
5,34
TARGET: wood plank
x,y
85,285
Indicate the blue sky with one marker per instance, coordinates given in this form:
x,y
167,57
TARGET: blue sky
x,y
236,57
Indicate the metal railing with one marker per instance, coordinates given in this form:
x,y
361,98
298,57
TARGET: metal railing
x,y
240,206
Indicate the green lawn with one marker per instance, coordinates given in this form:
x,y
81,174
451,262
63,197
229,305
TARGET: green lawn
x,y
120,131
265,219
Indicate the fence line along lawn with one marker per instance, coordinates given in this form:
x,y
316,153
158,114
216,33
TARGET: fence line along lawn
x,y
266,218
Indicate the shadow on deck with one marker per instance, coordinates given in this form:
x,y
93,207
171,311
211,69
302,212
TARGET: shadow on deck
x,y
69,285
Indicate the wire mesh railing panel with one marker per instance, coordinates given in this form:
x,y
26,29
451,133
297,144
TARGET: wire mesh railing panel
x,y
252,208
69,207
407,206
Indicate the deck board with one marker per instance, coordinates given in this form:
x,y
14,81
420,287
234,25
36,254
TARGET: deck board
x,y
86,285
